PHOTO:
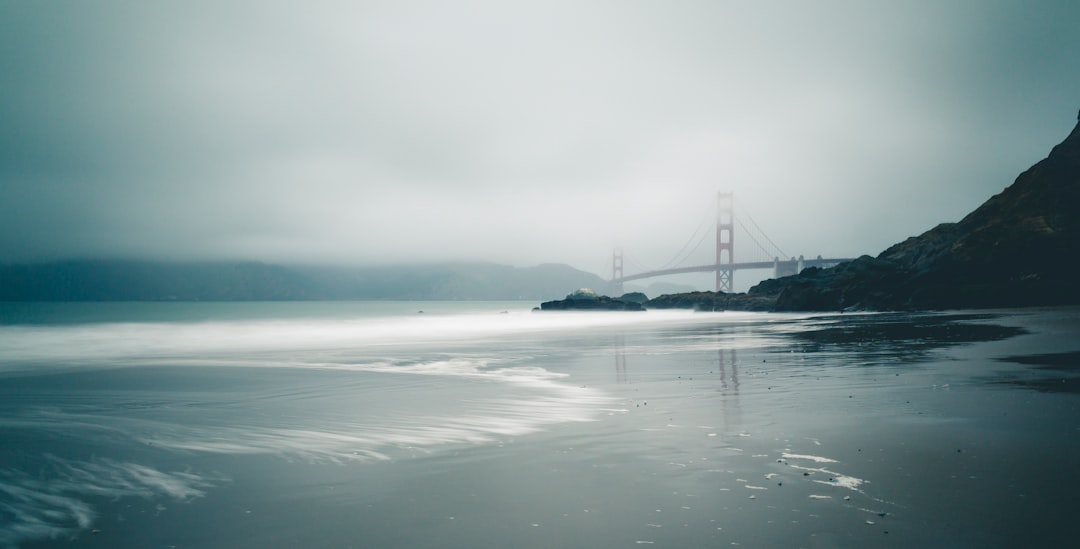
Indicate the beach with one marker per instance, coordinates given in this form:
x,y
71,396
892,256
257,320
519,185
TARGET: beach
x,y
488,425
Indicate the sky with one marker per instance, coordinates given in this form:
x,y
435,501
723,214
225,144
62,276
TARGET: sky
x,y
365,133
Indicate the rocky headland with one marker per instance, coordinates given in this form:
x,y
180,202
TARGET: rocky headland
x,y
1020,248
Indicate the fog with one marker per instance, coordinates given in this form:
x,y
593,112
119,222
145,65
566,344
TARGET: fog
x,y
514,132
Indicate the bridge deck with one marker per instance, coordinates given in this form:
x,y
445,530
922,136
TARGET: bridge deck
x,y
712,267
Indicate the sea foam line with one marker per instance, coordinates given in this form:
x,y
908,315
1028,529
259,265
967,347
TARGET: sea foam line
x,y
550,402
53,503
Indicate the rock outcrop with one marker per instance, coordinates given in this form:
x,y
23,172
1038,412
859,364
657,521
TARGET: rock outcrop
x,y
1020,248
712,301
636,297
588,300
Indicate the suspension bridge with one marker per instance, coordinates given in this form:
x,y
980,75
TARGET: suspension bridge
x,y
725,264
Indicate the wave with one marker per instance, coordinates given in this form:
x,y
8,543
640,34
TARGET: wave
x,y
27,347
491,401
54,502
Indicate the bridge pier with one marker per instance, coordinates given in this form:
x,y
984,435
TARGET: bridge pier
x,y
789,267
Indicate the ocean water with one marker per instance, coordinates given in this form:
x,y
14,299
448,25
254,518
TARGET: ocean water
x,y
449,424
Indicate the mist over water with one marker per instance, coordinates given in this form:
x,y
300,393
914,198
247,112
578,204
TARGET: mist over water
x,y
379,425
360,387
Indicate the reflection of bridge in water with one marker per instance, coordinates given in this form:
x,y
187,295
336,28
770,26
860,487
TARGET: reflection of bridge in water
x,y
722,364
726,364
725,264
726,372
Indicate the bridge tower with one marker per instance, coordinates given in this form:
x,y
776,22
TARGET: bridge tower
x,y
617,272
725,241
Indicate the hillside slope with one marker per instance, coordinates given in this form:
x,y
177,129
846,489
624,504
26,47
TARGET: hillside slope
x,y
1019,248
97,280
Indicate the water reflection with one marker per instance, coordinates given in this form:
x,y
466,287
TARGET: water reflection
x,y
891,337
620,359
1049,372
722,367
717,345
727,360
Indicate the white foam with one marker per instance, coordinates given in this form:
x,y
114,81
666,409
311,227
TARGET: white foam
x,y
835,479
111,345
51,503
842,481
119,341
817,459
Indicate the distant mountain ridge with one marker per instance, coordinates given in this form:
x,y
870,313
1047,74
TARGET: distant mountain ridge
x,y
101,280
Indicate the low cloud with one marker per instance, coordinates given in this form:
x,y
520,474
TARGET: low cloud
x,y
373,133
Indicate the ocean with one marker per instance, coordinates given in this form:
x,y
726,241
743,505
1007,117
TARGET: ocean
x,y
485,424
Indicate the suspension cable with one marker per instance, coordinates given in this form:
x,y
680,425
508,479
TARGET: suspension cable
x,y
704,235
634,262
754,238
775,248
679,255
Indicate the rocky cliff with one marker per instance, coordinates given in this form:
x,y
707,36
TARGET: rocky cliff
x,y
1020,248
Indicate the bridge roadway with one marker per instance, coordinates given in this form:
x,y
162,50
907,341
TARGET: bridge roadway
x,y
816,262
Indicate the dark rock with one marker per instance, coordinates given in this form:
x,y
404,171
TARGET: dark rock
x,y
588,300
1020,248
636,297
605,303
713,301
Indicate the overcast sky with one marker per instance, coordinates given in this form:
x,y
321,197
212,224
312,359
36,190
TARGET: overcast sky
x,y
515,132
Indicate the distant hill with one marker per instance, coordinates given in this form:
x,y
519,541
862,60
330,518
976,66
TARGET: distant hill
x,y
465,281
250,281
1020,248
659,288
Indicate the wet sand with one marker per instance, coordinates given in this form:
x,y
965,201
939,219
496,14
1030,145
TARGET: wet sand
x,y
944,430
